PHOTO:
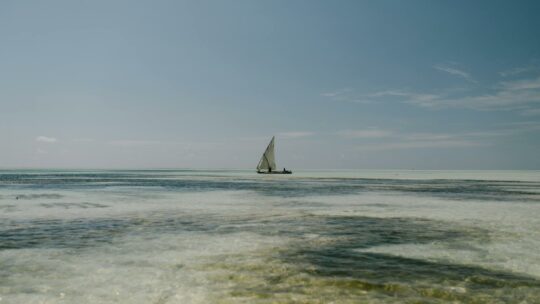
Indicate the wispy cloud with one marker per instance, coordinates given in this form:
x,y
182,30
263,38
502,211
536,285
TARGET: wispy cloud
x,y
523,94
366,133
46,139
454,71
337,93
500,100
294,134
394,140
520,126
419,145
523,84
519,70
471,135
83,140
346,95
510,95
416,98
531,112
134,142
429,136
177,144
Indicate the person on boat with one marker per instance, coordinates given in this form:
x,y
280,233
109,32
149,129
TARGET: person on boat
x,y
269,170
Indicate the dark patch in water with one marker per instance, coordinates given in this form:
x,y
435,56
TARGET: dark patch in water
x,y
81,233
333,254
8,208
413,278
347,231
83,205
60,234
297,187
38,196
393,275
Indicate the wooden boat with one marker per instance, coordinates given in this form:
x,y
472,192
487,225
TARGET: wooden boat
x,y
267,164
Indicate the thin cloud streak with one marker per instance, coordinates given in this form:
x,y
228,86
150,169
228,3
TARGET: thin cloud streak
x,y
455,72
337,93
345,95
134,143
419,145
531,112
420,98
431,140
294,134
397,140
46,139
524,84
521,94
83,140
519,70
367,133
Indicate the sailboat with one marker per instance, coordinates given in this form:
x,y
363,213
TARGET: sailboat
x,y
267,164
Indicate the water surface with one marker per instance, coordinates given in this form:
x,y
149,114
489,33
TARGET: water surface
x,y
202,236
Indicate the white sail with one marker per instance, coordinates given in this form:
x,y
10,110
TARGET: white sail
x,y
268,160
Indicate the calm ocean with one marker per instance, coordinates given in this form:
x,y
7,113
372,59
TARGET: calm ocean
x,y
232,236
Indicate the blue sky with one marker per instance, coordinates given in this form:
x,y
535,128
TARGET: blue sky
x,y
205,84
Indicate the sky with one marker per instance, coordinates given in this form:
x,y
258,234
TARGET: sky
x,y
206,84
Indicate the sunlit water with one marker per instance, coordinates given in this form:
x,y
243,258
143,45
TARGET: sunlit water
x,y
236,237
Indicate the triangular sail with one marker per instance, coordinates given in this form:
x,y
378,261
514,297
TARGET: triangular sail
x,y
268,160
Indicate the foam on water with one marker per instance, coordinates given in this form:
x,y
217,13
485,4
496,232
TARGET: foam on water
x,y
158,269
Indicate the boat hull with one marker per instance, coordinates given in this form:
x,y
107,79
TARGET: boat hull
x,y
275,172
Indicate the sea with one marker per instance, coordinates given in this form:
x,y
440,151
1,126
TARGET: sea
x,y
233,236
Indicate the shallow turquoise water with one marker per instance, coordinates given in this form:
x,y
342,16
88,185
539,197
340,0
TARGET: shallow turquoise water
x,y
202,236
